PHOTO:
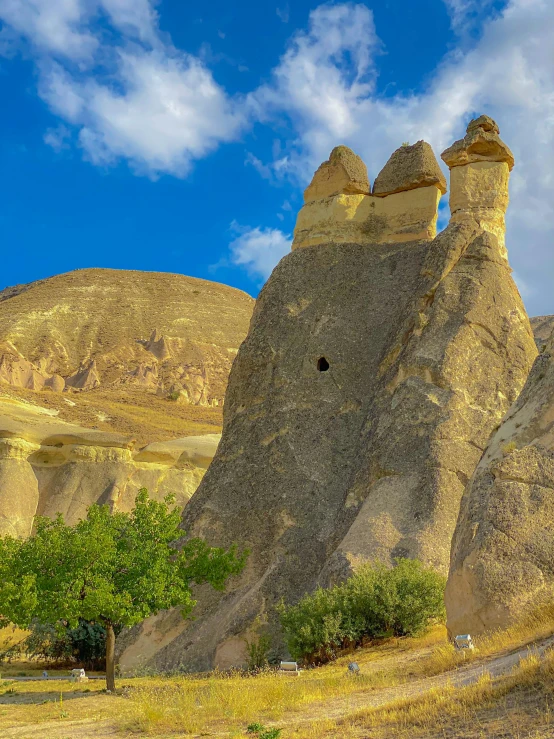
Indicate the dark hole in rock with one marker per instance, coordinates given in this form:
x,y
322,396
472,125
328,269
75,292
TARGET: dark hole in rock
x,y
322,364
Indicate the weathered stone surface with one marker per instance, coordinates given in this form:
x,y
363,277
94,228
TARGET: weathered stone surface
x,y
364,219
480,167
123,331
502,563
343,173
49,467
408,168
543,327
337,211
481,143
357,409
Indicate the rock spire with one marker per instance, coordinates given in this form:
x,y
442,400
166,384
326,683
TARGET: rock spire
x,y
378,361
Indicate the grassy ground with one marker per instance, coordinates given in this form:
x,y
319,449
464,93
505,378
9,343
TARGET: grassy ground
x,y
145,416
407,689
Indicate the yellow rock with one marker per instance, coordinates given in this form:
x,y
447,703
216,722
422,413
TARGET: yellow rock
x,y
343,172
366,219
479,192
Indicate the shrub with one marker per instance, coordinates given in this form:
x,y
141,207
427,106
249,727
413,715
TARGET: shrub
x,y
375,602
84,644
257,651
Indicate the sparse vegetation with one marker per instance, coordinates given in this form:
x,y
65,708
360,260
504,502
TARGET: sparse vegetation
x,y
62,643
257,649
390,698
375,602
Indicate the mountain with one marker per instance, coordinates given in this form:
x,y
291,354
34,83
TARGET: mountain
x,y
110,381
144,353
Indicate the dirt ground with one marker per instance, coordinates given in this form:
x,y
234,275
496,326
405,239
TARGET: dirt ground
x,y
61,710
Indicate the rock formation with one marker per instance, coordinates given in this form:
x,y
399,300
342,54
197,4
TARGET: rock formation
x,y
379,359
102,372
543,327
101,328
48,466
502,562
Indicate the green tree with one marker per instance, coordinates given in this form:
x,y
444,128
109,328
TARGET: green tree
x,y
113,568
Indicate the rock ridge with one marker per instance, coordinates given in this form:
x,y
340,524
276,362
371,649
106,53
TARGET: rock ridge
x,y
375,368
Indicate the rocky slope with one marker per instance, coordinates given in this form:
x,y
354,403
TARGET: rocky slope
x,y
542,326
379,359
100,328
502,562
102,374
48,467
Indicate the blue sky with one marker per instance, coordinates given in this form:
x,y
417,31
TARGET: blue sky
x,y
178,136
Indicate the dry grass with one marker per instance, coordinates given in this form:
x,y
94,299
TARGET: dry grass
x,y
537,625
393,697
517,705
229,703
140,414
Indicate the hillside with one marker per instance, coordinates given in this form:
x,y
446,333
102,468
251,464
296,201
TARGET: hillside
x,y
142,353
110,381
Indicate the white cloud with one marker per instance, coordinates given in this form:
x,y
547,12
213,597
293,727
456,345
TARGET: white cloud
x,y
64,27
283,13
151,105
266,171
167,112
325,73
325,85
55,26
466,13
258,249
135,17
58,138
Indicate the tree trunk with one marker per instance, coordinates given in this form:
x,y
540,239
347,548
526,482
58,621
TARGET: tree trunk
x,y
110,657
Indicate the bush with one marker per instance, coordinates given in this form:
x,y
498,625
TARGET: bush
x,y
84,644
257,651
375,602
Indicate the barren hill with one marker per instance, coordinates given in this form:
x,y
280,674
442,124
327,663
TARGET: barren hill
x,y
109,381
120,344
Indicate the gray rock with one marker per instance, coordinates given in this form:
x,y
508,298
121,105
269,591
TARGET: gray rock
x,y
410,167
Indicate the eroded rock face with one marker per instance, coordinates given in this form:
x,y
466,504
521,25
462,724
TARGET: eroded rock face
x,y
408,168
343,172
357,409
502,562
49,467
338,209
100,328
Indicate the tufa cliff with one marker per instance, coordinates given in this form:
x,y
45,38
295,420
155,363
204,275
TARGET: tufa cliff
x,y
380,357
502,562
48,466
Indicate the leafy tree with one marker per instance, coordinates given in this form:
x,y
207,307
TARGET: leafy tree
x,y
113,568
376,601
